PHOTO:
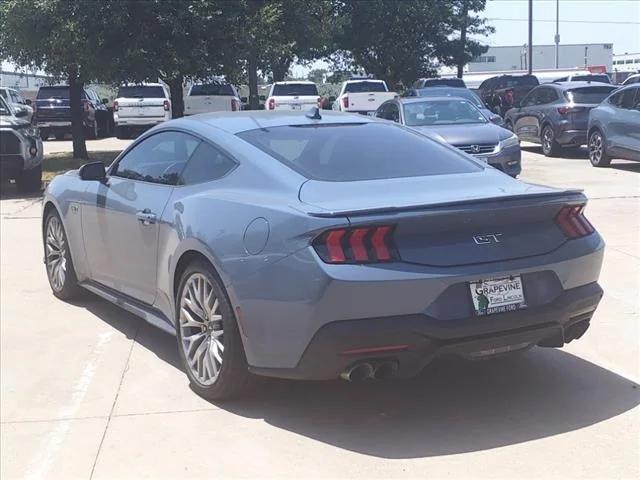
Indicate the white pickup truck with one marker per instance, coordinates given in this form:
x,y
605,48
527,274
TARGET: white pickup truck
x,y
140,106
211,97
362,96
295,95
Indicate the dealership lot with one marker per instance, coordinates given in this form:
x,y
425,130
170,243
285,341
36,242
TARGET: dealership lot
x,y
90,391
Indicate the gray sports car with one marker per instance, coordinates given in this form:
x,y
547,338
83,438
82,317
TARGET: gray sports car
x,y
321,245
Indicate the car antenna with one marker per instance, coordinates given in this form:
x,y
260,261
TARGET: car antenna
x,y
313,114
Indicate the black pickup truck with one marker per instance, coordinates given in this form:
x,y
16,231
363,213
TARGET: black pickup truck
x,y
503,92
52,113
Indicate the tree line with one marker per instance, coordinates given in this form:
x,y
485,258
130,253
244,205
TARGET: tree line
x,y
114,41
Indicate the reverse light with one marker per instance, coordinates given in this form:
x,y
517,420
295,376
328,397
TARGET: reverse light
x,y
167,105
271,105
572,221
357,245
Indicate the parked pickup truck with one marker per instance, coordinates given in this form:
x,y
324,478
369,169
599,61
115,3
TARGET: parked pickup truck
x,y
362,96
211,97
502,92
139,107
295,95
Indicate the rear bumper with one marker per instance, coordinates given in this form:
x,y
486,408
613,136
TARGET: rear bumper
x,y
419,338
53,123
572,138
138,122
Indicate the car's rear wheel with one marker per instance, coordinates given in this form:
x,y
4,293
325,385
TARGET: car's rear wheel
x,y
60,271
209,342
597,151
30,180
550,147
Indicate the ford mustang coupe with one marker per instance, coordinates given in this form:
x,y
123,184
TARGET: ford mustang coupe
x,y
321,245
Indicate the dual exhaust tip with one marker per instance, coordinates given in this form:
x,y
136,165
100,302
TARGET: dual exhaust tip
x,y
367,370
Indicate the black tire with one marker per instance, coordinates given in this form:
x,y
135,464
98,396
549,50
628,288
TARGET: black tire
x,y
597,150
45,133
234,377
69,288
122,133
60,134
30,181
550,147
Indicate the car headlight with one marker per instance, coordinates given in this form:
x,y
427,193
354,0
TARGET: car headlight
x,y
512,141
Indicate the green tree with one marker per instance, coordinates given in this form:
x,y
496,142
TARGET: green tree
x,y
317,75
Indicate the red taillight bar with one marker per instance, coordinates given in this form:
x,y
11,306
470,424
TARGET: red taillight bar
x,y
167,105
115,106
357,245
385,348
272,104
345,102
572,221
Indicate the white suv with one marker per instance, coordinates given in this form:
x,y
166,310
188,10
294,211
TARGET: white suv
x,y
294,95
140,106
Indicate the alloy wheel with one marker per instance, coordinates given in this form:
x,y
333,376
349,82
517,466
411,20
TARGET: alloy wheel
x,y
201,329
595,148
56,254
547,139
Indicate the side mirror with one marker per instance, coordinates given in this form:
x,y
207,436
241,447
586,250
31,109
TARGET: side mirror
x,y
497,119
105,101
28,102
243,99
93,171
21,112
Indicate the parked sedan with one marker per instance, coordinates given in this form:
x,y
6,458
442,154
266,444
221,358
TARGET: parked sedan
x,y
556,114
614,127
458,122
321,245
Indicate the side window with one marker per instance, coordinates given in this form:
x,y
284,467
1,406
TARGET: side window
x,y
627,101
158,159
530,99
394,112
545,96
382,111
14,97
636,102
616,99
207,163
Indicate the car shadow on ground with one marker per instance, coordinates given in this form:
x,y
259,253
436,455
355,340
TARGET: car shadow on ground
x,y
9,191
454,406
580,153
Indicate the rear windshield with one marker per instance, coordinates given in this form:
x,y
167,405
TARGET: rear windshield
x,y
295,89
524,81
141,91
360,87
442,112
588,94
450,82
591,78
357,151
212,89
53,92
451,92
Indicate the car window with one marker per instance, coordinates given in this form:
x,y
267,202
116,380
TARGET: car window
x,y
4,108
223,89
389,111
158,159
295,89
545,96
615,99
14,97
207,163
627,100
358,87
61,93
141,91
451,92
636,101
359,151
591,94
442,112
530,99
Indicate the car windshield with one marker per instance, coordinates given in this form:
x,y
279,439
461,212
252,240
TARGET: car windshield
x,y
359,87
4,108
295,89
441,112
451,92
591,94
591,78
525,80
450,82
212,89
53,92
357,151
141,91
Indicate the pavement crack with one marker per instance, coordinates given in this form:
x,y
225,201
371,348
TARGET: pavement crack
x,y
113,405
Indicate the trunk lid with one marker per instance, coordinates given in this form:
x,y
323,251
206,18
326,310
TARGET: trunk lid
x,y
367,101
461,220
140,107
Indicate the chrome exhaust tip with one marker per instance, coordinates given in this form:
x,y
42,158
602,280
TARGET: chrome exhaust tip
x,y
358,372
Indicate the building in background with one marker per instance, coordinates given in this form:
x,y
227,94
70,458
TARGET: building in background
x,y
544,57
626,62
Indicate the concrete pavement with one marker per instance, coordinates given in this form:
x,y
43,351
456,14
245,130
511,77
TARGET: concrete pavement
x,y
90,391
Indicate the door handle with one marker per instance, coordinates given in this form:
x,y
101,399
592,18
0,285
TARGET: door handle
x,y
146,217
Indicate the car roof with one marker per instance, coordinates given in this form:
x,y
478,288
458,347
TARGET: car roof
x,y
235,122
144,84
405,100
287,82
580,84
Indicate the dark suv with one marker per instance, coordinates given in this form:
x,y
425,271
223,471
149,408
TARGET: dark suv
x,y
556,114
52,113
503,92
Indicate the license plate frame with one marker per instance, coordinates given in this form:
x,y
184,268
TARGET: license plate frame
x,y
503,294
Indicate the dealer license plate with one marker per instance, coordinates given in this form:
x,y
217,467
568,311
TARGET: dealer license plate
x,y
497,295
296,107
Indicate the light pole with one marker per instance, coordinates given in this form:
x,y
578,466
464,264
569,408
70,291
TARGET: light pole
x,y
530,62
557,37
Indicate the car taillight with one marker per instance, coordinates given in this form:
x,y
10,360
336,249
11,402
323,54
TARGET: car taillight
x,y
572,221
234,105
319,102
115,106
272,104
167,105
565,110
357,245
509,96
345,102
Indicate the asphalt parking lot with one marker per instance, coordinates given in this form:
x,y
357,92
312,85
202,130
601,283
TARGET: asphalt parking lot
x,y
90,391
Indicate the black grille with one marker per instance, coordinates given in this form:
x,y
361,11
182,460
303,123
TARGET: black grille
x,y
9,143
478,149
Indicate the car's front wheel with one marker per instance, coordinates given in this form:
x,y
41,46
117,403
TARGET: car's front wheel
x,y
550,147
209,342
60,271
597,152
